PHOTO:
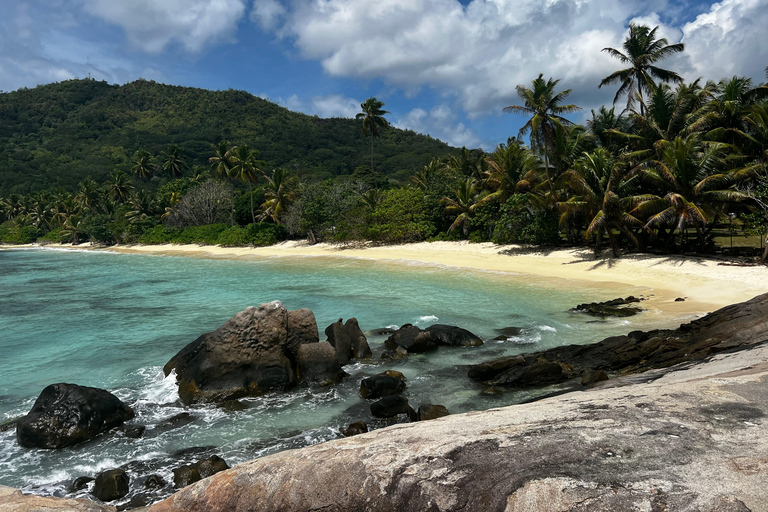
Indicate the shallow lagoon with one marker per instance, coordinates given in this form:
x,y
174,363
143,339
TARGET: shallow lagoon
x,y
112,321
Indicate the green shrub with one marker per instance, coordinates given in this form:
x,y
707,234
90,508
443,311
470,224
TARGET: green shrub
x,y
51,237
159,235
18,235
97,229
517,224
262,234
234,236
205,235
401,217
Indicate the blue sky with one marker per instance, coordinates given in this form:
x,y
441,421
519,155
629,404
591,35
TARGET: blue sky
x,y
443,67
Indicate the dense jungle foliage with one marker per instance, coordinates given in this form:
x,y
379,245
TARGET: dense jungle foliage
x,y
680,165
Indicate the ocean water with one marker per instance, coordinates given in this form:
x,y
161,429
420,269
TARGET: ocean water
x,y
113,320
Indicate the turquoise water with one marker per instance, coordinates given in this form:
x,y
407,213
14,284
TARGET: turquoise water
x,y
113,320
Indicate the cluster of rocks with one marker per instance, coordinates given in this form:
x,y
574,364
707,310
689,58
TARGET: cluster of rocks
x,y
262,349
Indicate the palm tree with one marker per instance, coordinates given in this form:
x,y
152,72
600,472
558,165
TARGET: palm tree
x,y
244,168
544,106
512,168
278,195
221,164
603,197
463,206
119,187
688,173
143,167
173,162
73,227
429,175
88,195
373,122
641,51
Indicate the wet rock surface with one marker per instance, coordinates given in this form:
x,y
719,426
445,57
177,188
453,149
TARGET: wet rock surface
x,y
13,500
68,414
348,340
412,339
731,328
613,308
111,485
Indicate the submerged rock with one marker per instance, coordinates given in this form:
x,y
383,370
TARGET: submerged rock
x,y
432,412
80,483
190,473
67,414
359,427
614,308
391,406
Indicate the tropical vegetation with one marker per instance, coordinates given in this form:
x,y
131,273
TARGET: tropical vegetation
x,y
675,167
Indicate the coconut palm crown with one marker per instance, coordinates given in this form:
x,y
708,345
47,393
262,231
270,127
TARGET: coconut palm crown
x,y
641,51
373,122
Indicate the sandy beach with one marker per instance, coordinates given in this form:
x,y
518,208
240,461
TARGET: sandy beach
x,y
706,284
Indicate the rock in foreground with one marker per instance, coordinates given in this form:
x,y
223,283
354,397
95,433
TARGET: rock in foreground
x,y
67,414
13,500
653,446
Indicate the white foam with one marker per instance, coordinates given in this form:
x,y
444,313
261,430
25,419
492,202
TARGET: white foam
x,y
547,328
428,318
161,389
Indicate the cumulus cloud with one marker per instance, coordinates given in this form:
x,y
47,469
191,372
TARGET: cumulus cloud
x,y
151,25
267,13
441,123
481,51
335,105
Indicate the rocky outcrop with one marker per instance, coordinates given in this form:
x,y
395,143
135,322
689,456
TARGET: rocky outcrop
x,y
655,446
13,500
348,340
431,412
190,473
252,353
615,308
67,414
386,383
731,328
412,339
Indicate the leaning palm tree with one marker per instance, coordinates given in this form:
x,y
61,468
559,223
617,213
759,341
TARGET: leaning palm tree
x,y
641,51
545,107
244,168
373,122
278,195
512,168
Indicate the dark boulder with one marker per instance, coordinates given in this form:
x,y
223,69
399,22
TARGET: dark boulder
x,y
381,385
414,340
80,483
383,331
348,340
453,336
506,332
211,466
359,427
179,420
233,405
133,432
318,364
185,475
251,354
536,374
431,412
593,376
391,406
67,414
111,485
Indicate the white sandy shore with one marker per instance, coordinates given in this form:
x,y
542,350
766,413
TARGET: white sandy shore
x,y
706,283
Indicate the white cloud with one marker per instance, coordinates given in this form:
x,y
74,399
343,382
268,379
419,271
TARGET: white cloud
x,y
441,123
267,13
481,51
729,39
335,105
154,24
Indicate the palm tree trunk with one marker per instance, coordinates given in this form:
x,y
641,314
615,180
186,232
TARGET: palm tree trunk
x,y
250,191
373,172
232,203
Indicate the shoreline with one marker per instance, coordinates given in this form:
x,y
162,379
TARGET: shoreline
x,y
703,283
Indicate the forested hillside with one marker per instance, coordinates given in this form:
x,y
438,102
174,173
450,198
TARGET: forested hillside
x,y
55,135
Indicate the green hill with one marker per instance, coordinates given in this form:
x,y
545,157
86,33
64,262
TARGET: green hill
x,y
55,135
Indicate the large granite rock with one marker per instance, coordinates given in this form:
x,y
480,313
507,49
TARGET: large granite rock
x,y
691,440
111,485
348,340
13,500
730,328
318,364
252,353
67,414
